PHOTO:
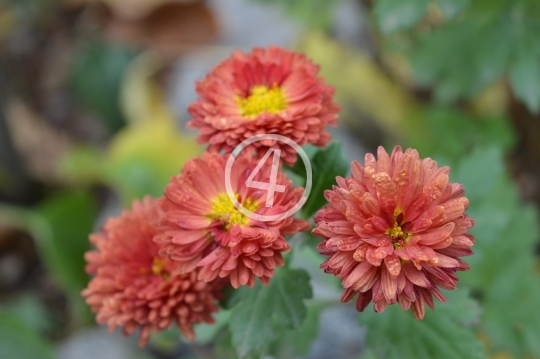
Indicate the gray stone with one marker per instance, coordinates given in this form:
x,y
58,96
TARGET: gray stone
x,y
340,336
97,343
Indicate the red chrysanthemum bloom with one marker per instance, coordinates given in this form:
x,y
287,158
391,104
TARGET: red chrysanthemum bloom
x,y
394,231
135,288
202,227
268,91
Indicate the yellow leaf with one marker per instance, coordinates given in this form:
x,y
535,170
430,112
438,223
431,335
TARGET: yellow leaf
x,y
494,100
141,97
8,21
360,83
142,158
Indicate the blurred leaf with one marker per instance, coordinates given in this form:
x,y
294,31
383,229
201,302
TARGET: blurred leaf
x,y
97,72
453,134
61,227
19,341
439,59
444,333
27,10
8,20
31,312
502,268
82,165
487,41
142,158
5,178
393,15
281,301
525,77
365,88
314,13
451,8
224,347
494,100
368,354
142,98
511,319
144,155
326,164
480,171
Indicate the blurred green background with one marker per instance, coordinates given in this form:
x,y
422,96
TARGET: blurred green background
x,y
93,98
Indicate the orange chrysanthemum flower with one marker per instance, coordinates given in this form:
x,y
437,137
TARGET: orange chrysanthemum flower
x,y
135,288
394,231
268,91
202,227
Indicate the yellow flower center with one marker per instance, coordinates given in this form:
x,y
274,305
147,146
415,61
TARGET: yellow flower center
x,y
399,237
158,268
262,98
395,232
224,210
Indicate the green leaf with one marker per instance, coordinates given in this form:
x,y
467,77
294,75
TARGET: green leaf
x,y
498,37
232,296
452,134
61,226
250,323
299,168
500,216
290,287
297,173
326,165
438,59
525,77
502,268
30,311
96,76
281,301
393,15
511,319
480,172
445,333
19,341
295,343
206,333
